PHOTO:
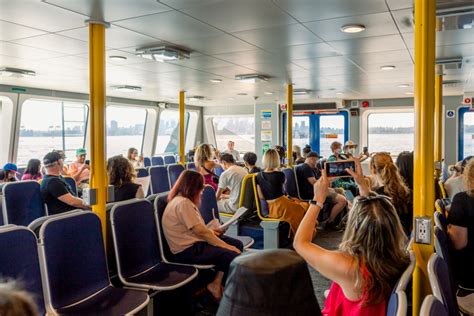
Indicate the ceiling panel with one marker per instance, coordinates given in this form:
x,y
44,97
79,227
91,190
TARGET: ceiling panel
x,y
404,20
452,37
376,25
10,31
381,57
247,57
156,67
115,37
20,51
284,71
39,15
279,36
215,45
170,26
399,4
314,10
57,43
369,44
307,51
230,72
234,16
202,62
111,10
323,62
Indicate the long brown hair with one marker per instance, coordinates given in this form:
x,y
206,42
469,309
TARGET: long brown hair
x,y
374,238
393,184
189,185
468,175
120,171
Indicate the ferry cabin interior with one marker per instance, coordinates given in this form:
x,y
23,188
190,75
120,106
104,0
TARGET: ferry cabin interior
x,y
177,73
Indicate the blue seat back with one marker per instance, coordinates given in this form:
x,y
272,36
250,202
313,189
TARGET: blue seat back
x,y
263,205
174,171
397,304
218,170
441,283
441,244
74,257
290,185
159,182
72,184
440,221
142,172
22,202
147,162
160,205
169,159
1,209
135,237
157,161
191,166
432,307
208,208
20,172
19,261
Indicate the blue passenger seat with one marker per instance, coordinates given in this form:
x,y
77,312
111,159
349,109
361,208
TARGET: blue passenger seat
x,y
440,280
174,171
398,303
291,185
433,307
169,159
157,161
159,181
22,203
72,184
146,162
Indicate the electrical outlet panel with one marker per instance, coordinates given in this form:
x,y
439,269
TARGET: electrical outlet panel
x,y
423,227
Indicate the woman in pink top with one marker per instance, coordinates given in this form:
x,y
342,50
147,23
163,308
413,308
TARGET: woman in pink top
x,y
371,257
33,170
205,165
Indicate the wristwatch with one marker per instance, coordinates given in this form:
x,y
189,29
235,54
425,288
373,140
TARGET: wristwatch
x,y
316,203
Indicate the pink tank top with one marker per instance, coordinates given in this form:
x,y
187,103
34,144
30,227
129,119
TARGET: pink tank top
x,y
337,304
208,180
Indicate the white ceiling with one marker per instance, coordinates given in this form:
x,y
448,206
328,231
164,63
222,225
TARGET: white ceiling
x,y
296,41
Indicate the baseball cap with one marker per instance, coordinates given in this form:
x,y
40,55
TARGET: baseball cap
x,y
81,151
312,154
10,167
350,143
51,158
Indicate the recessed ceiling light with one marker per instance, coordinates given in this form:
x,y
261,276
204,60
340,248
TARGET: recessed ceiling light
x,y
388,67
242,93
353,28
163,53
216,80
231,99
300,91
16,72
196,98
126,88
118,58
339,93
403,85
268,93
409,93
251,78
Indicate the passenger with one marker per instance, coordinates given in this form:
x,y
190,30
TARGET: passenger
x,y
121,175
270,187
231,179
306,150
371,257
391,184
10,171
405,166
337,152
189,239
342,183
65,171
205,165
461,230
307,175
281,153
232,151
134,158
55,191
250,162
16,302
297,157
350,151
80,170
455,183
2,177
33,170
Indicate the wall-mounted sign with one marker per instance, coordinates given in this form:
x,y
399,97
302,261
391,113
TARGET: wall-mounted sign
x,y
450,114
266,124
266,114
283,107
266,136
265,147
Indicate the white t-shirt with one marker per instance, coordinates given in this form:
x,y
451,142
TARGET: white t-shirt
x,y
234,154
232,179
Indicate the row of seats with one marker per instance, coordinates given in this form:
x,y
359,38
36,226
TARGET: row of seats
x,y
161,160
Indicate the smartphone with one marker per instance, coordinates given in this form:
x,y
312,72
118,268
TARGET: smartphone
x,y
338,168
87,162
365,150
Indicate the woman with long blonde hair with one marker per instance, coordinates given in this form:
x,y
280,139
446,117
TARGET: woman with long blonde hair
x,y
205,165
371,257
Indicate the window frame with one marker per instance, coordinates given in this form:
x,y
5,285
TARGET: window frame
x,y
186,127
461,112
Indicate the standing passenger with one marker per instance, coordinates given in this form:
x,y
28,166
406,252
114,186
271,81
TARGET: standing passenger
x,y
232,151
33,170
231,179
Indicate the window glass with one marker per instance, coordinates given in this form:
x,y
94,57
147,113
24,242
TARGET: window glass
x,y
331,129
468,131
125,129
301,131
47,125
241,130
391,132
167,140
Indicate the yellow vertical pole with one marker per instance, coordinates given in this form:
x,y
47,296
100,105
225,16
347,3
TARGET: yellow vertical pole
x,y
98,175
423,191
438,117
181,128
289,124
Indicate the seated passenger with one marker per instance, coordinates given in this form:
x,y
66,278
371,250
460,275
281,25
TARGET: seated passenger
x,y
121,175
65,171
371,257
281,153
33,170
230,150
250,162
297,159
55,191
231,179
205,165
270,187
134,158
307,174
350,151
337,152
461,230
16,302
343,183
306,150
80,170
391,184
404,163
455,183
10,170
189,239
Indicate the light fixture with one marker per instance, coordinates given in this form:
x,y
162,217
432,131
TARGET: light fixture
x,y
251,78
409,93
231,99
16,72
450,63
300,91
215,80
196,98
241,93
268,93
403,85
388,67
339,93
353,28
118,57
163,53
126,88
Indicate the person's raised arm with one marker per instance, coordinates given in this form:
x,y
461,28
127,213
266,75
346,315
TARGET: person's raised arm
x,y
210,237
358,175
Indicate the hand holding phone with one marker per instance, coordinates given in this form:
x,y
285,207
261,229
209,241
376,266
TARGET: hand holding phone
x,y
87,162
338,168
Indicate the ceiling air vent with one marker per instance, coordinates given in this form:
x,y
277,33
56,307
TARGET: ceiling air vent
x,y
452,83
251,78
450,63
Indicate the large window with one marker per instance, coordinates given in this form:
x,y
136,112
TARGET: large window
x,y
467,133
167,140
47,125
331,129
391,132
301,131
125,129
240,129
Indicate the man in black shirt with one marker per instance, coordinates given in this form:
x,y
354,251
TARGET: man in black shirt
x,y
55,191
